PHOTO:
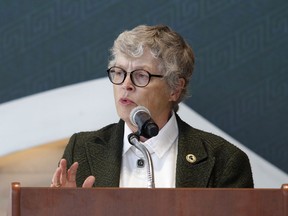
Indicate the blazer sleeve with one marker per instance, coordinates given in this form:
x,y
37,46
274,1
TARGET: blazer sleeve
x,y
236,172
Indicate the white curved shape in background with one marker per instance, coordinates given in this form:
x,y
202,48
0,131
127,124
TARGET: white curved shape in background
x,y
57,114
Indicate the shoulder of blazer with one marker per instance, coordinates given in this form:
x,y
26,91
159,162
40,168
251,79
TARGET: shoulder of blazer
x,y
106,135
211,141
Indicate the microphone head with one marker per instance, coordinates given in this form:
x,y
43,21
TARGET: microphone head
x,y
141,118
134,112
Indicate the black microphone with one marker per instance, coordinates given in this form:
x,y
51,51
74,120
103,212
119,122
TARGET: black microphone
x,y
140,117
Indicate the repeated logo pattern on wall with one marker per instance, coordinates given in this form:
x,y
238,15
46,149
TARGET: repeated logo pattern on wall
x,y
240,81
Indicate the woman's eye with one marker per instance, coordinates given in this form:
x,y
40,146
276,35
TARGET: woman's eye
x,y
118,73
142,75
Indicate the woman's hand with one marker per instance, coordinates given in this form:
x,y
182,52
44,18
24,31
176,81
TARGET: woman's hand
x,y
63,178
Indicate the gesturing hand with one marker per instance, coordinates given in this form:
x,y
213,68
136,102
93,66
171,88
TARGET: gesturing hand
x,y
63,178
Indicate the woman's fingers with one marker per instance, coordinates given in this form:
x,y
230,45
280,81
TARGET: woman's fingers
x,y
67,178
63,167
71,175
89,181
59,177
56,178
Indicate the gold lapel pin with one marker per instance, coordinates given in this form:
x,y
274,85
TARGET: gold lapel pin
x,y
191,158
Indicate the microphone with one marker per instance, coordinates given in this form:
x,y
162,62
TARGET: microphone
x,y
140,117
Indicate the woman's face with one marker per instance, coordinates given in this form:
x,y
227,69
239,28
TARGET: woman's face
x,y
156,96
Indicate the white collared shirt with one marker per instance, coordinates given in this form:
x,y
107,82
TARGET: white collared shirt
x,y
163,150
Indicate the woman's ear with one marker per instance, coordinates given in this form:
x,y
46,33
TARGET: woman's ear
x,y
175,93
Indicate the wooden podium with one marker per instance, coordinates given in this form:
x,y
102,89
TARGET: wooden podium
x,y
32,201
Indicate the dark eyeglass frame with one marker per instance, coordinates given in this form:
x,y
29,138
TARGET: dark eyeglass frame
x,y
131,76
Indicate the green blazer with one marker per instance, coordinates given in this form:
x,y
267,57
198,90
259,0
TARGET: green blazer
x,y
217,162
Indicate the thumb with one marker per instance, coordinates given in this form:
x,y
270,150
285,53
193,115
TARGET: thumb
x,y
89,181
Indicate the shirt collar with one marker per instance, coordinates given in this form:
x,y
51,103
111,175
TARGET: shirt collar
x,y
159,144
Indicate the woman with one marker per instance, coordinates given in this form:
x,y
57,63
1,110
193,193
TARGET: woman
x,y
151,66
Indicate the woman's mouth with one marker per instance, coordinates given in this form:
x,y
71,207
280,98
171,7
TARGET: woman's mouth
x,y
126,101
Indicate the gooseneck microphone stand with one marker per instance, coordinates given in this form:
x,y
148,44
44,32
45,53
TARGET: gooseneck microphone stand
x,y
134,140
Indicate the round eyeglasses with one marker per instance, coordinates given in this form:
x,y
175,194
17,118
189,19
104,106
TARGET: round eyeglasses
x,y
139,77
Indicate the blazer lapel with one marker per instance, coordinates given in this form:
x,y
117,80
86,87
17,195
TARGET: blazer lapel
x,y
193,167
104,155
